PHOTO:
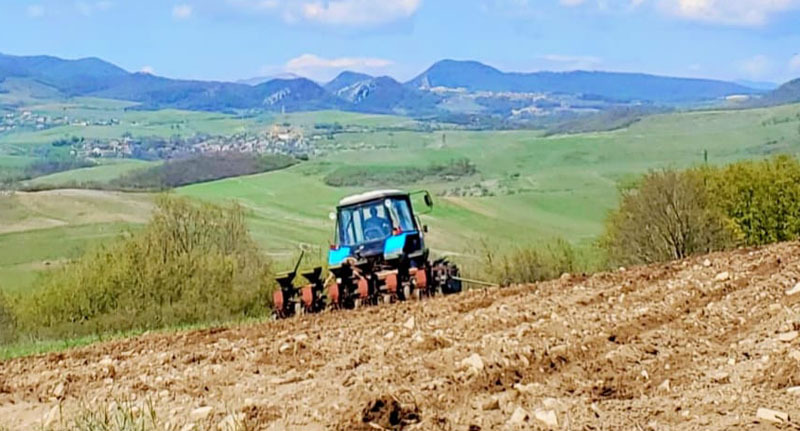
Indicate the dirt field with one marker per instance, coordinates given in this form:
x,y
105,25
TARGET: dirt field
x,y
700,344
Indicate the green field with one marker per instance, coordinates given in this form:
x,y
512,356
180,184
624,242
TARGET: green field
x,y
528,189
110,169
38,231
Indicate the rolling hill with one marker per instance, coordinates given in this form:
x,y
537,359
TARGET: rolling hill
x,y
382,95
474,76
786,93
493,92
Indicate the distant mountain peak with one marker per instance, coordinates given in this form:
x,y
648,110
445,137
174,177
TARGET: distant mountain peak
x,y
262,79
346,79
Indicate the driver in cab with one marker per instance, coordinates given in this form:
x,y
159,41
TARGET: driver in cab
x,y
376,227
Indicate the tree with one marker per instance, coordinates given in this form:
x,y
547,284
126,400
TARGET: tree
x,y
761,197
667,215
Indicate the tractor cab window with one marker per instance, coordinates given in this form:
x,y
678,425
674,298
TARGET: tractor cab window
x,y
373,221
364,223
402,213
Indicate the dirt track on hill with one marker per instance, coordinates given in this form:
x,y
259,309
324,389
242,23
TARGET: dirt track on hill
x,y
699,344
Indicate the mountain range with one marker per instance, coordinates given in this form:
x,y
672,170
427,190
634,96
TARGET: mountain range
x,y
446,87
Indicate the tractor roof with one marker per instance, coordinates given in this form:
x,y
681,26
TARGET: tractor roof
x,y
371,196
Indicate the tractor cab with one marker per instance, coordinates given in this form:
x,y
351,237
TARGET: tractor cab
x,y
378,226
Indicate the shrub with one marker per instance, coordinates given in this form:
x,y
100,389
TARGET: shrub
x,y
192,263
667,215
7,321
528,264
761,197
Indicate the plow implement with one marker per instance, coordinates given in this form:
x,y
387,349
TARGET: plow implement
x,y
378,256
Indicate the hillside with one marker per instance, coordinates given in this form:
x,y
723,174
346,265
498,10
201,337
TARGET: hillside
x,y
475,76
384,95
529,188
786,93
490,92
705,343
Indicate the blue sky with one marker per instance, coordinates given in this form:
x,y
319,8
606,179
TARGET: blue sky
x,y
233,39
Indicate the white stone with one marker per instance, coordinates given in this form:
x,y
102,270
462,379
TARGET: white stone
x,y
723,276
230,422
795,354
284,347
492,404
719,377
795,290
389,335
706,263
788,337
773,416
201,413
547,417
59,390
52,417
664,386
518,417
795,390
526,389
409,323
473,361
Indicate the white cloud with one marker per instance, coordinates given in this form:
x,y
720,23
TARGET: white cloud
x,y
148,70
726,12
756,67
182,11
36,11
355,13
730,12
321,69
794,63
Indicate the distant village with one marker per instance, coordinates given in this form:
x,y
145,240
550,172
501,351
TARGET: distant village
x,y
27,120
278,139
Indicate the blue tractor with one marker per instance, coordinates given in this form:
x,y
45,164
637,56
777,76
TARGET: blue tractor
x,y
378,254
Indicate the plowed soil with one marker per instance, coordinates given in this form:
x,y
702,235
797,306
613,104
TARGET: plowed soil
x,y
697,344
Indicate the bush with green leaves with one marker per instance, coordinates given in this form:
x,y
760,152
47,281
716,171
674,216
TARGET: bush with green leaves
x,y
193,263
667,215
762,198
7,320
527,264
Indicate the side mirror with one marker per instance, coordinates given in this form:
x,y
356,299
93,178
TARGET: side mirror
x,y
428,200
425,228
